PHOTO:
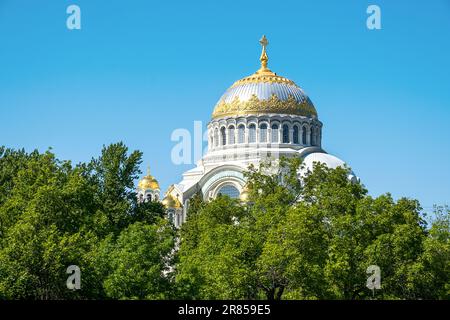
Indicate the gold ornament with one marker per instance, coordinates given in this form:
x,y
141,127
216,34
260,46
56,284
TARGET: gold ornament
x,y
261,106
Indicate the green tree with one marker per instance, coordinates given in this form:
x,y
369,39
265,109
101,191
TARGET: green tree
x,y
308,239
53,215
311,239
211,262
226,256
139,262
42,221
113,175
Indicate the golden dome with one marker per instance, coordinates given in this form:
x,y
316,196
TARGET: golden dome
x,y
170,201
264,92
148,182
244,194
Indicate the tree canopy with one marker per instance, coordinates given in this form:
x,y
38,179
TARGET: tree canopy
x,y
312,238
54,214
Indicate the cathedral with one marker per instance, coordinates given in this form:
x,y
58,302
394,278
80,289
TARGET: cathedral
x,y
262,116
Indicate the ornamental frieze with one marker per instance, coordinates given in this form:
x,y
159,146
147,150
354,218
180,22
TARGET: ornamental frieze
x,y
254,105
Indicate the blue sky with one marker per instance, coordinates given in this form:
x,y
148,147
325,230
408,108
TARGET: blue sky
x,y
137,70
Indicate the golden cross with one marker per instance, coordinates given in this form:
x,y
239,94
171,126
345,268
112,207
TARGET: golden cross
x,y
264,41
264,58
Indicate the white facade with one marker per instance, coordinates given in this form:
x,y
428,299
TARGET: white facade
x,y
263,116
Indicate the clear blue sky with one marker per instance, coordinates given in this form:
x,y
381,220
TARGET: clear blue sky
x,y
137,70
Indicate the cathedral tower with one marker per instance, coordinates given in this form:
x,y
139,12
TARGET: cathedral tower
x,y
148,188
261,116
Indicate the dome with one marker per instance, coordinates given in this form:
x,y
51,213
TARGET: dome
x,y
245,193
148,182
262,93
329,160
170,202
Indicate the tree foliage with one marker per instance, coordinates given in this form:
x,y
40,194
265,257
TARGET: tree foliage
x,y
294,239
312,239
54,214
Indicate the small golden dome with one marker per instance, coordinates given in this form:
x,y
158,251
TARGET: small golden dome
x,y
171,202
148,182
244,194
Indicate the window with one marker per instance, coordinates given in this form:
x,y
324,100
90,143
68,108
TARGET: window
x,y
231,135
170,216
295,134
241,134
230,191
252,133
216,137
285,133
304,135
263,133
149,197
223,136
275,133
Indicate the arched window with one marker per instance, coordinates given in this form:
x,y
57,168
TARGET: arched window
x,y
304,135
216,137
263,133
252,133
149,197
170,215
241,134
223,136
230,191
231,135
313,137
296,134
285,133
275,133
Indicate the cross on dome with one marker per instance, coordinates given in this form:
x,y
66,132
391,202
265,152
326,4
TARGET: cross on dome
x,y
264,58
264,42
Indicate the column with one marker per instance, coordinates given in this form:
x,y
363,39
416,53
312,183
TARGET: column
x,y
308,136
291,135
